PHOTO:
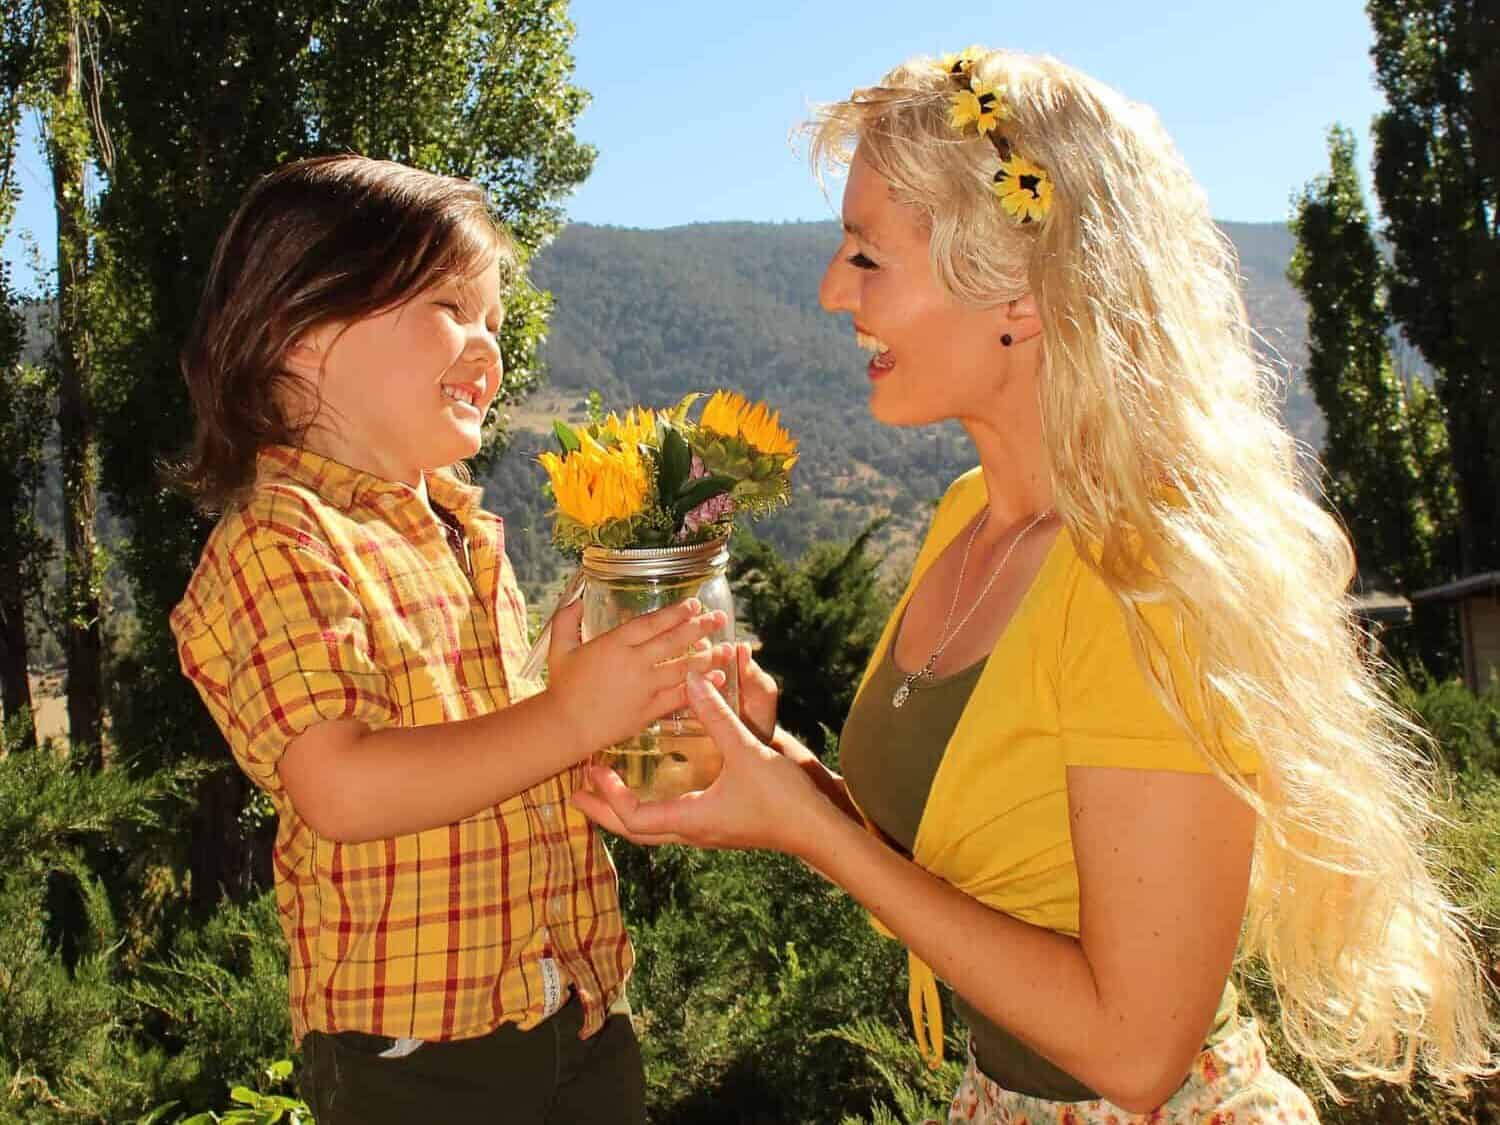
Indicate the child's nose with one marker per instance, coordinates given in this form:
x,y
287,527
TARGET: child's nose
x,y
483,346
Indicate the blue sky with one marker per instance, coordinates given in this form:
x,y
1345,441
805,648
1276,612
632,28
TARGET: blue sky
x,y
693,102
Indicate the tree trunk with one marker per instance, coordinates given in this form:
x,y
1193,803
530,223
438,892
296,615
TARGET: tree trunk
x,y
67,145
15,685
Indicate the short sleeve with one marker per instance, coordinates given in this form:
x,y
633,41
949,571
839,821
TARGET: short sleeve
x,y
1109,713
281,646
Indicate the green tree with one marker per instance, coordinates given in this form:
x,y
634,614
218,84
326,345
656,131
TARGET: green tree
x,y
1386,463
817,623
23,407
1437,173
66,76
202,98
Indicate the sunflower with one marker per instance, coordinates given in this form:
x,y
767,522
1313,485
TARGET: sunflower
x,y
981,106
1024,189
638,426
961,65
597,484
729,415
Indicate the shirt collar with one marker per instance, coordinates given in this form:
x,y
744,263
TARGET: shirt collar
x,y
344,486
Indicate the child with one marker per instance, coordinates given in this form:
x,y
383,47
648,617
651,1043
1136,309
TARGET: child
x,y
354,626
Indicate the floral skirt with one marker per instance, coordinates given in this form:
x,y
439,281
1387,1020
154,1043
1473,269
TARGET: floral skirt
x,y
1230,1083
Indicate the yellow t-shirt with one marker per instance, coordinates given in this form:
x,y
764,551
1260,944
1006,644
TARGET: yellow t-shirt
x,y
1062,687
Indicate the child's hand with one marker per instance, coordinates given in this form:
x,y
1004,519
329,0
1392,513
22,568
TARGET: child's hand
x,y
758,695
617,684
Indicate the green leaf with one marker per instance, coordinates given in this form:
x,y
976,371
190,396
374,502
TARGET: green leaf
x,y
695,492
279,1070
567,437
244,1095
678,413
676,462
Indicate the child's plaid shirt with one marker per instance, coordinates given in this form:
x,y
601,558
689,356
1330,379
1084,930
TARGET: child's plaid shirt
x,y
333,594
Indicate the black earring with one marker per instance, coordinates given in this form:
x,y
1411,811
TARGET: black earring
x,y
1007,340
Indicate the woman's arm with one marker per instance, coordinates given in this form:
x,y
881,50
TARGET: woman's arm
x,y
1163,861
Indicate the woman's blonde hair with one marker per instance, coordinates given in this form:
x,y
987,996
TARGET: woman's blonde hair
x,y
1167,453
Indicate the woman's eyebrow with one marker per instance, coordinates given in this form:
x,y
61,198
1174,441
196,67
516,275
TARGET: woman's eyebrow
x,y
860,233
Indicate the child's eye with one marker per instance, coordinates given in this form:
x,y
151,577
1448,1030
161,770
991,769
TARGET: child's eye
x,y
860,262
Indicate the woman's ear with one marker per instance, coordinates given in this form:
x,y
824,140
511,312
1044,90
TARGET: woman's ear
x,y
1023,320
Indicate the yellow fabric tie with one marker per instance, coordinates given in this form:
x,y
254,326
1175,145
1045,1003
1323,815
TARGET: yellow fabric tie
x,y
922,997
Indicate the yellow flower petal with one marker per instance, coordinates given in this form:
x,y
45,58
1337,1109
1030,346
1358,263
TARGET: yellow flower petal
x,y
597,484
981,106
960,65
1024,189
730,415
637,426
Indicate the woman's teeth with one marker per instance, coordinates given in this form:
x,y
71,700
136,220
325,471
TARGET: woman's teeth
x,y
458,394
870,343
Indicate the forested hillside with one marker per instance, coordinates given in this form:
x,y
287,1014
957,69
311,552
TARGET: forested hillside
x,y
646,316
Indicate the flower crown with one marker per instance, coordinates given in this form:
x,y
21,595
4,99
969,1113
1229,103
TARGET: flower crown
x,y
1023,188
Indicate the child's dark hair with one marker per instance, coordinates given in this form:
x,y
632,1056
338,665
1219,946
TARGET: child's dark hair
x,y
332,238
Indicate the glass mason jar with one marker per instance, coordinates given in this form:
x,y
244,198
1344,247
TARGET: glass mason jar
x,y
673,756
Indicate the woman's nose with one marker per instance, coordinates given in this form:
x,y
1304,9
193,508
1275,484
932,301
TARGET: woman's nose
x,y
835,293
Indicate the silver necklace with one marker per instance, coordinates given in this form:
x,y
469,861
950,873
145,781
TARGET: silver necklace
x,y
903,691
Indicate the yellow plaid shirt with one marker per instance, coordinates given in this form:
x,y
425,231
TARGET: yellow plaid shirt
x,y
333,594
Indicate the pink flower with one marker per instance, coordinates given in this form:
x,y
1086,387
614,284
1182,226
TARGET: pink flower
x,y
712,509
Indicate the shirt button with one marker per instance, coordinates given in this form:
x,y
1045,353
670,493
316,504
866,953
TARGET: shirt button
x,y
549,814
558,906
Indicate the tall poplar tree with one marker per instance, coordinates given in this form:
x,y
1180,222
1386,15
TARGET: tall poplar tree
x,y
1385,455
1437,173
1375,478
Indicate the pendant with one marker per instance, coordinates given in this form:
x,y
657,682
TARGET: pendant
x,y
902,692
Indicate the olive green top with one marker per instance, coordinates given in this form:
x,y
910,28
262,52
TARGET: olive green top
x,y
889,757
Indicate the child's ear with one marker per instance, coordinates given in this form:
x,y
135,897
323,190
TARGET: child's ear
x,y
305,355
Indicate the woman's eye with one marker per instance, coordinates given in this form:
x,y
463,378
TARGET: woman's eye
x,y
860,262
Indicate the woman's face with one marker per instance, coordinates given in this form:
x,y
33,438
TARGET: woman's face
x,y
933,357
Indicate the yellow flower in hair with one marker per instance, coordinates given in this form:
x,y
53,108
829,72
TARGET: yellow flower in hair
x,y
730,415
960,65
1024,189
981,106
597,484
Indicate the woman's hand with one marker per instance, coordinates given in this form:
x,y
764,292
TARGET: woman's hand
x,y
761,799
615,685
759,695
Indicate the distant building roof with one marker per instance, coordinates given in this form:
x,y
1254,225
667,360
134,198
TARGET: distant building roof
x,y
1463,587
1376,605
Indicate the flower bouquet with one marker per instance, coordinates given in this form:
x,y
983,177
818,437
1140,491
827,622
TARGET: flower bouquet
x,y
656,479
648,499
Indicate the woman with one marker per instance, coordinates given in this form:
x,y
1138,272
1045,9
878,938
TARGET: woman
x,y
1118,725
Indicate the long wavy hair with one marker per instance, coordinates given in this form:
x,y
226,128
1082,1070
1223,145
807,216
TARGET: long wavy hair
x,y
1166,452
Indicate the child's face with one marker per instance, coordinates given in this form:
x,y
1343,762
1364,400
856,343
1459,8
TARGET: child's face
x,y
405,391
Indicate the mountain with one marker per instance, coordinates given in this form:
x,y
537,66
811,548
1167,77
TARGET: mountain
x,y
647,316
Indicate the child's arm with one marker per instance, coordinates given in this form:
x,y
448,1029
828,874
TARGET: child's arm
x,y
351,783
